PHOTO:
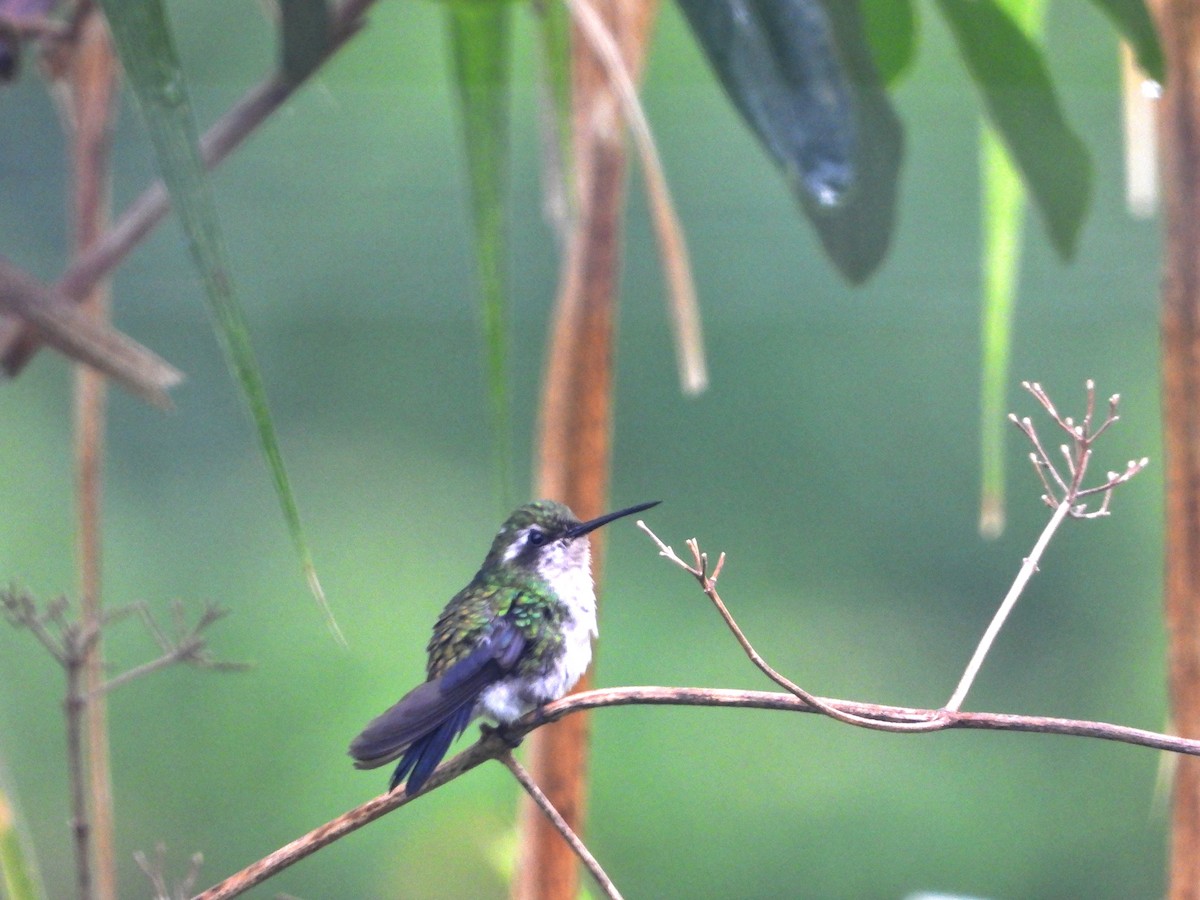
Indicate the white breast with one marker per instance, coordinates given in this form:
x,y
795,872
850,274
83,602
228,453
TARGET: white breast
x,y
569,573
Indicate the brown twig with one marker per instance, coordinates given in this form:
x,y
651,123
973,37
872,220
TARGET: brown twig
x,y
708,584
56,320
543,803
494,745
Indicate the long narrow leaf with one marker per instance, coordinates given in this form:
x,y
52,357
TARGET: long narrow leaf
x,y
1003,207
1003,211
1021,103
554,46
479,36
857,234
143,41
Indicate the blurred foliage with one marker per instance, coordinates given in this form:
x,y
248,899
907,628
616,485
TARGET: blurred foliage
x,y
834,460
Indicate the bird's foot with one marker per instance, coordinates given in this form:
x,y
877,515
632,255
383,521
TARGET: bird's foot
x,y
502,732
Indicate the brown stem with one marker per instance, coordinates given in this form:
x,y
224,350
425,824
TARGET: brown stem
x,y
92,82
1180,142
576,410
74,705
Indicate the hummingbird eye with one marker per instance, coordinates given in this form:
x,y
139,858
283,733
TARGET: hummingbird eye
x,y
536,537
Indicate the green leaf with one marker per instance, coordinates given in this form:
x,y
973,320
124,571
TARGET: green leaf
x,y
891,32
778,64
1003,211
857,234
801,74
304,36
1008,69
1133,21
479,37
1003,206
554,44
143,41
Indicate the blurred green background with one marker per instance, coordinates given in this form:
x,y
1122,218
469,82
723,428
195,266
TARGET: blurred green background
x,y
834,459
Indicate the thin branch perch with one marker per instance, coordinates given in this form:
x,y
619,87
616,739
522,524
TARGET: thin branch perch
x,y
493,746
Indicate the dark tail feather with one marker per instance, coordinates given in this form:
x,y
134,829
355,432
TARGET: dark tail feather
x,y
424,754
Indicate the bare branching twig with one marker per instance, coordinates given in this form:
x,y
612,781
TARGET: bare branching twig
x,y
1064,492
156,871
69,640
708,583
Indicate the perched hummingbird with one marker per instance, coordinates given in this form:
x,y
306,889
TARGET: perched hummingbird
x,y
519,635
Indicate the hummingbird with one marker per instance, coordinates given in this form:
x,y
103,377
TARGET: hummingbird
x,y
519,635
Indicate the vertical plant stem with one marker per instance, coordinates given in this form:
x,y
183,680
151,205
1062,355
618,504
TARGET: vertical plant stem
x,y
92,87
1179,22
80,826
576,412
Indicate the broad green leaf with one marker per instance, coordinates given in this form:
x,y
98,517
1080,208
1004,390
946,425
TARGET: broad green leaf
x,y
892,35
304,36
15,873
1133,21
1009,71
479,36
143,42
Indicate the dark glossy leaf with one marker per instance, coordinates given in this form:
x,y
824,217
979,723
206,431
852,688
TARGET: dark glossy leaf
x,y
479,37
778,64
1133,21
892,35
1021,103
857,234
801,74
304,36
143,42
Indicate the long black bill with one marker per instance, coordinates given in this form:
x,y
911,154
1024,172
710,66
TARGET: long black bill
x,y
584,527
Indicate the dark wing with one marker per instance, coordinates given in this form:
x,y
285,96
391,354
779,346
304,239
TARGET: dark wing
x,y
426,720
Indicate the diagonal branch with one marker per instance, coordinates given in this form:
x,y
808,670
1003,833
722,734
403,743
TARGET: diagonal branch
x,y
543,802
932,722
